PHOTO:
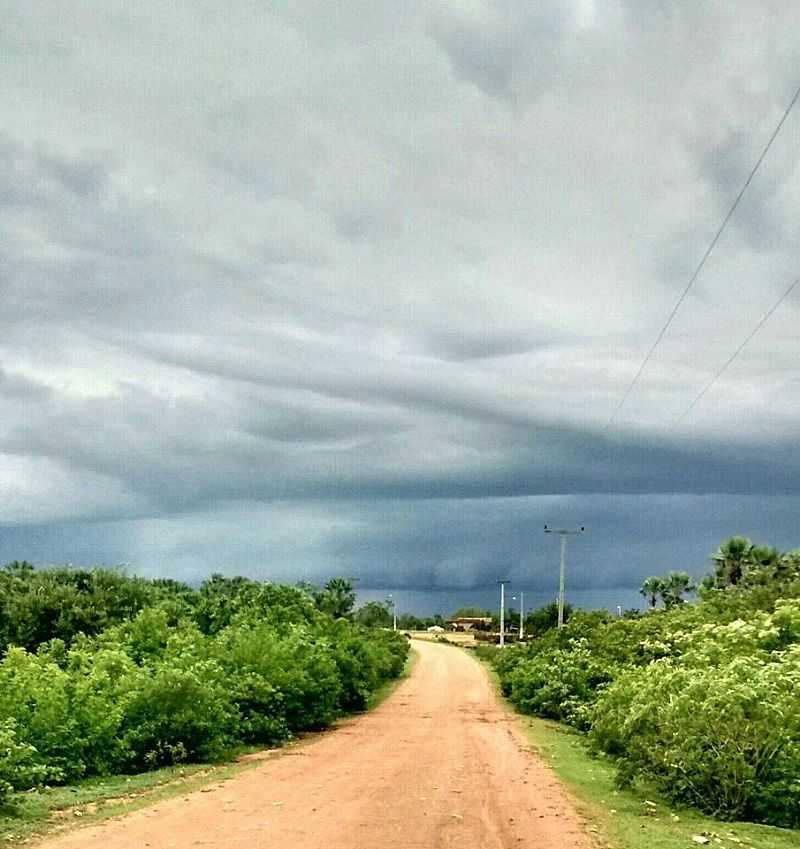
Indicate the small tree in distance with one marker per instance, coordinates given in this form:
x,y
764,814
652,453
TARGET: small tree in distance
x,y
337,599
651,589
675,585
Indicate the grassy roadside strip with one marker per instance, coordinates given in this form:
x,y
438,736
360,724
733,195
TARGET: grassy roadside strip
x,y
32,814
638,818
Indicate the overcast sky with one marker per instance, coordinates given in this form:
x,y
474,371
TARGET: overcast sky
x,y
297,289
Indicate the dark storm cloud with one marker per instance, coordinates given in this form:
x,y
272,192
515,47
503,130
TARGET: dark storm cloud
x,y
303,289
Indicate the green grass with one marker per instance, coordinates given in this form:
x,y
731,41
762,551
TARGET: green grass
x,y
638,818
36,812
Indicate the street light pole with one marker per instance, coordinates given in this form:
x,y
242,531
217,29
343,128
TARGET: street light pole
x,y
521,610
390,598
503,612
563,533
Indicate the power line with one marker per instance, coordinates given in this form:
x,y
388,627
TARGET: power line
x,y
705,256
765,318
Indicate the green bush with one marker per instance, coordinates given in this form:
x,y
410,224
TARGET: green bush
x,y
174,713
365,662
18,762
36,695
185,677
723,738
702,699
559,683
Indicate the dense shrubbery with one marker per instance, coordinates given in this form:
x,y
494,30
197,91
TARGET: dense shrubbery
x,y
174,674
703,699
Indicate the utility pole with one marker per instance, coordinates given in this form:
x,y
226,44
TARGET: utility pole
x,y
521,612
503,611
390,599
563,533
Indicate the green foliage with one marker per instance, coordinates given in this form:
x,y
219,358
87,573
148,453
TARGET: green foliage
x,y
732,560
374,614
651,589
175,675
175,712
337,599
539,622
18,765
702,700
671,588
558,683
36,606
723,736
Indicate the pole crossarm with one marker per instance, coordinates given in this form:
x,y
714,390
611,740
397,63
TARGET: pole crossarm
x,y
565,531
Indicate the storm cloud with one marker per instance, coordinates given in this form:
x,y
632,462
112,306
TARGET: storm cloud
x,y
306,289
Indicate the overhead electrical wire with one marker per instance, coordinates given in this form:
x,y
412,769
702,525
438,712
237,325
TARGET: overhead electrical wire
x,y
764,319
703,259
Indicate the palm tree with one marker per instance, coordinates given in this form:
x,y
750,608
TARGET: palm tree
x,y
732,559
764,565
338,598
765,557
651,588
674,585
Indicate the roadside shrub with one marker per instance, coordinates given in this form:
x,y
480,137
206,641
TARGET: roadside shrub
x,y
364,661
295,670
703,699
177,675
35,695
102,684
725,739
18,767
173,714
559,683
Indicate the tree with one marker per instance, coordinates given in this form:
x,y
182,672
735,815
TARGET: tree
x,y
374,615
651,589
764,557
732,560
674,585
338,598
538,622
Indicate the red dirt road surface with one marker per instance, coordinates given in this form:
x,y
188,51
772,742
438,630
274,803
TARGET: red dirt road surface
x,y
441,763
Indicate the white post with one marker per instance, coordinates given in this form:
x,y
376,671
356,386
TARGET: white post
x,y
561,581
521,615
502,614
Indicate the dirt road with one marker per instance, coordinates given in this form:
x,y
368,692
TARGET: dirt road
x,y
440,764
